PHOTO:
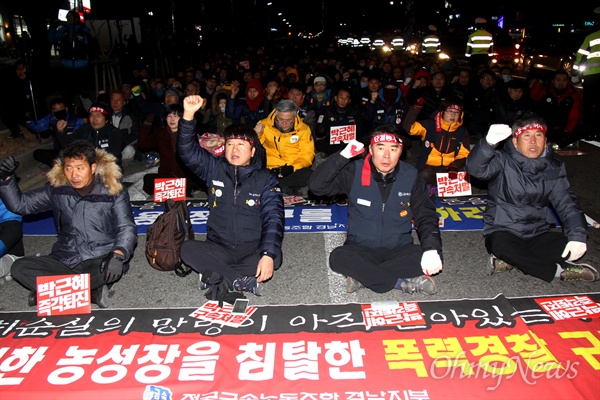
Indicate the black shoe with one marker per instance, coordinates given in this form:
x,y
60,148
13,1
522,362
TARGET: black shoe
x,y
32,299
16,135
100,296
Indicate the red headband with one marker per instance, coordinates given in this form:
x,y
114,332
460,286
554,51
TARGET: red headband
x,y
241,137
385,137
453,107
522,129
98,109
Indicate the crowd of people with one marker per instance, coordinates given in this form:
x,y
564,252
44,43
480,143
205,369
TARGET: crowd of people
x,y
320,127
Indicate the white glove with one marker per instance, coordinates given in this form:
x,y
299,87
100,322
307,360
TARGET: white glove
x,y
352,149
497,133
431,263
575,250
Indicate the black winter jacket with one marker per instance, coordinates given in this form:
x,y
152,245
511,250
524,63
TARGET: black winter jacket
x,y
246,203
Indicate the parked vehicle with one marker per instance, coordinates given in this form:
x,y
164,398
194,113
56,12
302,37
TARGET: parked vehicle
x,y
550,53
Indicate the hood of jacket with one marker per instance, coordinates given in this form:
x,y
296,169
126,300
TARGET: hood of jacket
x,y
106,169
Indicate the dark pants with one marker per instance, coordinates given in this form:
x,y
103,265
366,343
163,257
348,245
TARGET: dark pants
x,y
296,179
26,269
45,156
11,238
591,103
205,256
377,268
537,256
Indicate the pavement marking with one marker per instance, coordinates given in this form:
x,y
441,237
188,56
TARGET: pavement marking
x,y
337,282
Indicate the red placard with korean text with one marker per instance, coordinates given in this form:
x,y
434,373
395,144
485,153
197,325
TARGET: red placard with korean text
x,y
342,134
63,295
172,188
453,187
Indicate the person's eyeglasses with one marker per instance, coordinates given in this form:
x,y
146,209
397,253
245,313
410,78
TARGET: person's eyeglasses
x,y
284,121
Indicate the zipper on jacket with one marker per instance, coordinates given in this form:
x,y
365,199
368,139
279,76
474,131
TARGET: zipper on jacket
x,y
235,180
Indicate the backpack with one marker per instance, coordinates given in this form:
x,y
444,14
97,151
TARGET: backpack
x,y
165,235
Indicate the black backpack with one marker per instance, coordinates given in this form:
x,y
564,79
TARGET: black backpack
x,y
165,236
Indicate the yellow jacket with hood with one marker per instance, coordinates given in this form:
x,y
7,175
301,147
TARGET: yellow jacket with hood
x,y
295,148
445,141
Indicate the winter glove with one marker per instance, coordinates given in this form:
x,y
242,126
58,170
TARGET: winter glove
x,y
452,172
431,263
112,267
283,171
8,167
574,250
352,149
497,133
136,90
420,103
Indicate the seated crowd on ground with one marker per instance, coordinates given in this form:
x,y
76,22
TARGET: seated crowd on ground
x,y
305,112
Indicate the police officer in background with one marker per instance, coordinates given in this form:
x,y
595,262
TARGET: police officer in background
x,y
587,63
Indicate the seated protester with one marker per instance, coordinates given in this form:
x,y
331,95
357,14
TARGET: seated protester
x,y
289,147
11,237
429,97
100,133
128,124
513,102
156,105
524,181
96,231
385,196
251,108
560,104
444,141
297,93
387,107
164,139
59,124
246,221
215,119
319,96
338,114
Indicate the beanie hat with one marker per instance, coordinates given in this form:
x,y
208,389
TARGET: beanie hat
x,y
173,92
320,79
423,74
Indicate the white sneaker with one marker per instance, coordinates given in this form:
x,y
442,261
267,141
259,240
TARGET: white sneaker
x,y
5,263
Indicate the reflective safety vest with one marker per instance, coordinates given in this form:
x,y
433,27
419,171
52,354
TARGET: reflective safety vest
x,y
431,44
588,55
480,42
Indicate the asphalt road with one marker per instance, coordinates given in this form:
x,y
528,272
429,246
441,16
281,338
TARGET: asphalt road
x,y
305,277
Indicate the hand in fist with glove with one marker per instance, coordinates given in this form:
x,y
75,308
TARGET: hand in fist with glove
x,y
352,149
574,251
431,263
497,133
112,267
8,167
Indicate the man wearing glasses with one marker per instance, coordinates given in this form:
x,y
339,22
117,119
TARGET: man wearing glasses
x,y
289,146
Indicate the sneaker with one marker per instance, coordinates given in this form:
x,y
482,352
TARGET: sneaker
x,y
420,284
579,272
202,285
16,135
32,298
246,284
497,266
5,263
100,296
352,285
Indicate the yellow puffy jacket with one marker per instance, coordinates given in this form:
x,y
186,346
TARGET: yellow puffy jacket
x,y
295,148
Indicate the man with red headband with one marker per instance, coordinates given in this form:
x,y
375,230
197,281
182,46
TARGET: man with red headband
x,y
385,197
246,221
100,132
524,181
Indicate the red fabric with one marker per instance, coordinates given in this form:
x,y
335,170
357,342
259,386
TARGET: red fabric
x,y
254,104
366,172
